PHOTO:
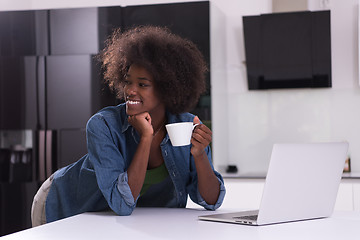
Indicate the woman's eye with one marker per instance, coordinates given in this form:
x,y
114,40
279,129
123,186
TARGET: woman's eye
x,y
143,85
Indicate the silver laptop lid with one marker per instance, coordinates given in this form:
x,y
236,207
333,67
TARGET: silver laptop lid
x,y
302,181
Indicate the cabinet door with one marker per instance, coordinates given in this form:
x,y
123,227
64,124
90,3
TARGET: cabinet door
x,y
41,32
15,204
356,189
74,91
101,95
73,31
190,20
344,199
71,146
109,19
23,33
18,94
18,33
68,91
82,30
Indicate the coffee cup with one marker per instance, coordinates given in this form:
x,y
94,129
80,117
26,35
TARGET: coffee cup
x,y
180,133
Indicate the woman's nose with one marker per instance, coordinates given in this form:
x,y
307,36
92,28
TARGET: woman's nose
x,y
131,90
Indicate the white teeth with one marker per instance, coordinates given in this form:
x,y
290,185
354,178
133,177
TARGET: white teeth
x,y
133,102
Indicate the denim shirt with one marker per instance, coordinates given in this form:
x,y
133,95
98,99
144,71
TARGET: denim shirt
x,y
99,179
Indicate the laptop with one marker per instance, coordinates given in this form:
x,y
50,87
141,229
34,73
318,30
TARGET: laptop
x,y
301,184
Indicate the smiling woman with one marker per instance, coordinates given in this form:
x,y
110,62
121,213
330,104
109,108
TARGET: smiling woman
x,y
130,160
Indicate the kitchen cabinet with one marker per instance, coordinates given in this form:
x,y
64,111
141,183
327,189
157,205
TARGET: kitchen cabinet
x,y
68,90
356,189
23,33
81,30
18,92
246,193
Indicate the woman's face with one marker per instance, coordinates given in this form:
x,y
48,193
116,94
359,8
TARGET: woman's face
x,y
140,93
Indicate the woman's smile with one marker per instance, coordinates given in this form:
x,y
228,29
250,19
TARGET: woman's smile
x,y
133,102
133,106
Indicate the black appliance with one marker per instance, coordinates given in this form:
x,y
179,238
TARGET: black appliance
x,y
51,84
288,50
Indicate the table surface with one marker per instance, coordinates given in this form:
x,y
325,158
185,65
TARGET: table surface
x,y
177,223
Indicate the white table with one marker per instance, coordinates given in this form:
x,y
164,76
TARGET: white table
x,y
162,223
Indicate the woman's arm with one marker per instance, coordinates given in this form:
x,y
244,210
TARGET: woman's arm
x,y
208,183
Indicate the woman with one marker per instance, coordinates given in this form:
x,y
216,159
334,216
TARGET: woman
x,y
130,160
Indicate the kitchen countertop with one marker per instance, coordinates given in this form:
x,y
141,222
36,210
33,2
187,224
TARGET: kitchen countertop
x,y
262,175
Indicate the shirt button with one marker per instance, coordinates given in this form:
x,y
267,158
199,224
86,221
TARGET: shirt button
x,y
165,153
174,174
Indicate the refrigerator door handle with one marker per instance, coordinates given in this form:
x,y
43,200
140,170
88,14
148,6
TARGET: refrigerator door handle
x,y
49,152
42,171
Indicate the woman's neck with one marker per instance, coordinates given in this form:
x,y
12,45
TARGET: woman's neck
x,y
158,125
158,121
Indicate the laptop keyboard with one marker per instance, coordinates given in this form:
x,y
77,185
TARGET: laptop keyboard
x,y
250,217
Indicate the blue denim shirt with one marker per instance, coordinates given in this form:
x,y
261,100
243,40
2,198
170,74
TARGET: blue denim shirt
x,y
99,179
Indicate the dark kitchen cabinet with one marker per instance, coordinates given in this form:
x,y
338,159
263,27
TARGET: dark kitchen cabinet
x,y
18,108
73,31
17,218
68,91
75,91
81,30
23,33
72,146
17,33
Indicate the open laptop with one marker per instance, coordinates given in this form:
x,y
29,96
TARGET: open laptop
x,y
301,183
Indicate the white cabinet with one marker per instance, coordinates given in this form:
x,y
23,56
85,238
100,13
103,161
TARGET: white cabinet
x,y
356,189
348,198
344,200
242,193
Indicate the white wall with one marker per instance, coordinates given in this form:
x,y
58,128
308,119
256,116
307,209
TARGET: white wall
x,y
228,74
247,123
257,119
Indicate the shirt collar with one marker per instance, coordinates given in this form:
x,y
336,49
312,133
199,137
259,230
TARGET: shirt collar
x,y
126,123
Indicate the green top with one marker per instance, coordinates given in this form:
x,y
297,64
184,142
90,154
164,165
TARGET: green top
x,y
154,176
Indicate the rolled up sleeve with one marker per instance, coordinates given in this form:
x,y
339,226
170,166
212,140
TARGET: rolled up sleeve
x,y
220,200
125,190
194,191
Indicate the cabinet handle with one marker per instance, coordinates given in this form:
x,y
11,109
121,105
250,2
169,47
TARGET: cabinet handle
x,y
41,163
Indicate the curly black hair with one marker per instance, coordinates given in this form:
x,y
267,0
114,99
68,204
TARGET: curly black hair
x,y
176,64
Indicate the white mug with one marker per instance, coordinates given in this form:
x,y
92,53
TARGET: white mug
x,y
180,133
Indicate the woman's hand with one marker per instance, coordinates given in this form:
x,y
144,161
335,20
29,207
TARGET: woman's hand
x,y
201,138
142,123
